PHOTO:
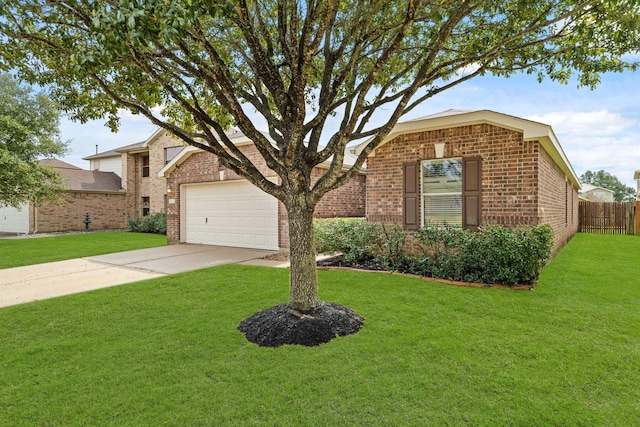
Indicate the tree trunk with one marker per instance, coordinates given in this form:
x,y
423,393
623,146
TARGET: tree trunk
x,y
303,287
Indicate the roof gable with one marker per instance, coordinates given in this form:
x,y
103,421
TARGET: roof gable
x,y
454,118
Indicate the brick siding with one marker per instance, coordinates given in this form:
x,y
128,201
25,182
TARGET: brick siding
x,y
518,177
153,186
106,211
202,167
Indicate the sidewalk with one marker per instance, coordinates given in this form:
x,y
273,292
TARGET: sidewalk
x,y
42,281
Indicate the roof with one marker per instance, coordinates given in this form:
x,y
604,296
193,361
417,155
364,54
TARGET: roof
x,y
78,179
453,118
137,147
238,138
57,164
588,187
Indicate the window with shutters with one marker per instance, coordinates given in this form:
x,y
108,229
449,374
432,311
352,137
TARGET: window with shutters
x,y
441,181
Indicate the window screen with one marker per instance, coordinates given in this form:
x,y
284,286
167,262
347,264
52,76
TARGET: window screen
x,y
171,152
442,191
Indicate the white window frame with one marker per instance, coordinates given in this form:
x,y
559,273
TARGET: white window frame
x,y
424,194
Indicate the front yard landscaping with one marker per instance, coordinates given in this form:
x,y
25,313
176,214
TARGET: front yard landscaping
x,y
167,351
37,250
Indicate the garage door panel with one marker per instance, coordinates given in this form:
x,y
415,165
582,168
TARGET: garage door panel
x,y
14,220
234,214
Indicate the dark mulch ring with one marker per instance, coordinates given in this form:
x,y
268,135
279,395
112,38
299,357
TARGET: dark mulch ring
x,y
279,325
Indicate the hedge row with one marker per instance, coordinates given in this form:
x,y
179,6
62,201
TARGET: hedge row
x,y
493,254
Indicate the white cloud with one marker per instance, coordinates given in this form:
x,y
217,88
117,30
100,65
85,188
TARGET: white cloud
x,y
588,124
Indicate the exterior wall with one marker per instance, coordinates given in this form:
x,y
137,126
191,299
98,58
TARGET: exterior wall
x,y
511,187
558,202
106,211
201,167
107,164
152,186
509,170
130,168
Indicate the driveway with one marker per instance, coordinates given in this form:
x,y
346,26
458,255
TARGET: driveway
x,y
35,282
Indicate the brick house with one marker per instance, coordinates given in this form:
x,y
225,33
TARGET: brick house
x,y
210,204
98,193
473,168
138,165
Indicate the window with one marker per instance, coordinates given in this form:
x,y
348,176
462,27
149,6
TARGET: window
x,y
145,206
145,166
171,152
442,191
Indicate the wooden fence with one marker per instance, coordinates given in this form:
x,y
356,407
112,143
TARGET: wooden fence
x,y
607,218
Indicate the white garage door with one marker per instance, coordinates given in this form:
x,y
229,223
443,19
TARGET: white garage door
x,y
14,220
236,214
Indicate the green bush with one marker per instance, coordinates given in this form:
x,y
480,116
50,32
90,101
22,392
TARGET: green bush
x,y
389,246
493,254
155,223
353,237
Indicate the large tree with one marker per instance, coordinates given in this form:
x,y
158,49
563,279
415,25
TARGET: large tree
x,y
602,178
28,131
321,74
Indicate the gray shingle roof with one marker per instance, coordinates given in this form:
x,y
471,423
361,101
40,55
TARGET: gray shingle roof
x,y
84,180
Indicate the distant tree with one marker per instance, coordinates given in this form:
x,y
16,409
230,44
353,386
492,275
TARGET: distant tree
x,y
622,192
28,131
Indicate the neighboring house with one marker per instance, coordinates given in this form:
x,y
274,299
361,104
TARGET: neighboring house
x,y
97,193
473,168
138,165
636,176
210,204
591,193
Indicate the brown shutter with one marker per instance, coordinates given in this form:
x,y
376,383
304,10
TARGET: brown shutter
x,y
411,196
471,192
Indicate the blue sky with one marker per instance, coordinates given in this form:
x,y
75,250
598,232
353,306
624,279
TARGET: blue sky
x,y
598,129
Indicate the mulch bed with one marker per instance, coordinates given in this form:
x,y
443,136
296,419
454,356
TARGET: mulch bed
x,y
336,263
277,326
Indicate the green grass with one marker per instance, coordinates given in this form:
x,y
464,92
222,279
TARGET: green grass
x,y
167,351
28,251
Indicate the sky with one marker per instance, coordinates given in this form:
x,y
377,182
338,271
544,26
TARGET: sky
x,y
598,129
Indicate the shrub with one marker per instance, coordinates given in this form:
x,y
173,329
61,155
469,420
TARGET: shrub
x,y
155,223
389,243
494,254
353,237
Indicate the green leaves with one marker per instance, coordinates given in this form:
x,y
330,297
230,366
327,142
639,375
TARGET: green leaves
x,y
28,131
602,178
298,64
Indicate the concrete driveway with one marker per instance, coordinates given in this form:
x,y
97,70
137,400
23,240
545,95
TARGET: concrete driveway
x,y
35,282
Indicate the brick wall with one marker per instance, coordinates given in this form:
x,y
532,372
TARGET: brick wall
x,y
152,186
558,202
106,210
200,167
512,182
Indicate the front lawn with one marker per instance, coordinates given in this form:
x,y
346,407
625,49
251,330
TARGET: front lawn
x,y
167,351
37,250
